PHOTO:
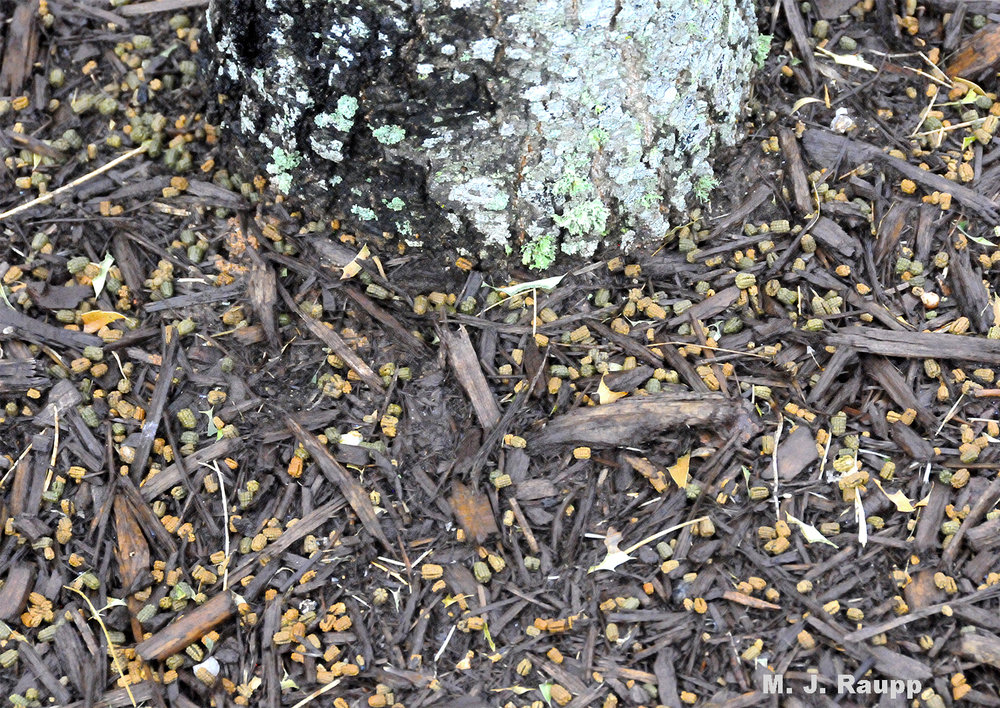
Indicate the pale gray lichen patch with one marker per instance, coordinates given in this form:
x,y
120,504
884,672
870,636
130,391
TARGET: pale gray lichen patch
x,y
389,134
484,49
343,118
281,166
363,213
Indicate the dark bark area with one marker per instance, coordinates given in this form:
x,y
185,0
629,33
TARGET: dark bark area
x,y
528,127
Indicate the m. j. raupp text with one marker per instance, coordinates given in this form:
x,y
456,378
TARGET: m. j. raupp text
x,y
845,685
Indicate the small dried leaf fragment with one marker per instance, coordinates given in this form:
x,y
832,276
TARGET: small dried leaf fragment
x,y
680,470
810,532
95,319
102,276
615,556
606,395
898,498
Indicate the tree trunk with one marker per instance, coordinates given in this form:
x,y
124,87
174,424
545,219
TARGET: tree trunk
x,y
525,126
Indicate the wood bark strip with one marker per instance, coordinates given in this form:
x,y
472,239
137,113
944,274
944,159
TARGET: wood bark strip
x,y
144,515
333,340
211,192
796,170
630,420
132,554
352,490
860,635
36,665
981,649
968,289
143,691
19,376
898,389
984,503
834,366
824,147
21,48
154,411
149,8
797,25
96,12
986,536
14,325
473,512
829,233
890,229
17,585
188,629
929,523
208,295
709,307
469,373
262,284
305,526
173,475
827,280
918,345
978,54
391,325
758,196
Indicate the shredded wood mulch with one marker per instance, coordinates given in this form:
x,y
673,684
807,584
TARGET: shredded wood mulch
x,y
248,459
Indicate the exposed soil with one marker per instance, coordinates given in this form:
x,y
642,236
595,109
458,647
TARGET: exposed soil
x,y
252,459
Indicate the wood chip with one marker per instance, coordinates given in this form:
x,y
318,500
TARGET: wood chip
x,y
918,345
188,629
630,420
473,512
465,364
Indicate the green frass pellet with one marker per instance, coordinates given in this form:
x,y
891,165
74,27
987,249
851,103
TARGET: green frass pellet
x,y
186,327
147,613
89,416
106,106
481,572
39,241
77,264
177,22
187,418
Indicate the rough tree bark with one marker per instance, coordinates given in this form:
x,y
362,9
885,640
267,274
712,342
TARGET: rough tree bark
x,y
530,126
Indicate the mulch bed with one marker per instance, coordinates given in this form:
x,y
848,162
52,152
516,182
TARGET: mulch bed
x,y
248,459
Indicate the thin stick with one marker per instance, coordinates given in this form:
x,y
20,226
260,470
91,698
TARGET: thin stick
x,y
41,199
774,466
111,645
317,693
225,513
660,534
